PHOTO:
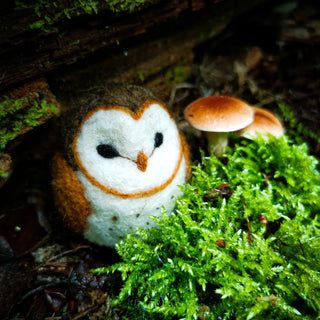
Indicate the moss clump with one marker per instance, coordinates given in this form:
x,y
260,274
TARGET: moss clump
x,y
298,131
5,167
49,12
126,5
178,74
24,109
17,123
243,242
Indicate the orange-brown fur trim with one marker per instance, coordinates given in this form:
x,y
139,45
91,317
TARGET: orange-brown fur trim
x,y
69,195
137,115
187,155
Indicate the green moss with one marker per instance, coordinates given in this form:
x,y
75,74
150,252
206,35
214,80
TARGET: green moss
x,y
295,129
76,42
49,12
18,116
140,75
242,243
5,166
126,5
178,74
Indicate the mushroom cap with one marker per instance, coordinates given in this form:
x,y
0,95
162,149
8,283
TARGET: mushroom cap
x,y
219,114
264,122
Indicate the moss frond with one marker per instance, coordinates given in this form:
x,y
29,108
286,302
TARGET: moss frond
x,y
242,243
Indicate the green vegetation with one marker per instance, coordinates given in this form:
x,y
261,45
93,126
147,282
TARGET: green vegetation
x,y
242,243
5,166
18,116
49,12
297,130
125,5
178,74
140,75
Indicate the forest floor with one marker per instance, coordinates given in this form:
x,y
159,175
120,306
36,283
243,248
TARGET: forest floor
x,y
267,57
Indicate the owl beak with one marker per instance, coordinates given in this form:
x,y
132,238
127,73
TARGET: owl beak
x,y
142,161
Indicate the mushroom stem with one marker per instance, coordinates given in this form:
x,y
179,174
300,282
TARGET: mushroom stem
x,y
217,142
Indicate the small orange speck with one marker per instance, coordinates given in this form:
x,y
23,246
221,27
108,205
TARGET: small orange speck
x,y
220,243
263,219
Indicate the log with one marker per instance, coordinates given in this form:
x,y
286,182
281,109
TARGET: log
x,y
30,47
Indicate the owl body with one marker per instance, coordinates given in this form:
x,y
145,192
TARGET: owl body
x,y
112,217
125,163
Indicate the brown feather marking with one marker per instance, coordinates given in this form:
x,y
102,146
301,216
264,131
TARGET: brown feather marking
x,y
69,195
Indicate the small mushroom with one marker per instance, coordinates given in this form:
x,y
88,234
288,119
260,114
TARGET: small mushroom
x,y
264,123
217,116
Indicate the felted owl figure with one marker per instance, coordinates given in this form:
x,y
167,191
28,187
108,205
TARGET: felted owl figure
x,y
122,160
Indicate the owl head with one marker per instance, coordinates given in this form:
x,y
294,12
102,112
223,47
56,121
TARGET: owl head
x,y
125,143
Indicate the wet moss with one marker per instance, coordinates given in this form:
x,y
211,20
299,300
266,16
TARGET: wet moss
x,y
242,243
24,109
178,74
50,12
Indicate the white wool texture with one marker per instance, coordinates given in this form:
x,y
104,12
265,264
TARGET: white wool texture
x,y
113,216
130,137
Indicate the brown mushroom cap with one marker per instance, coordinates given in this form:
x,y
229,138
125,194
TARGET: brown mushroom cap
x,y
264,122
219,114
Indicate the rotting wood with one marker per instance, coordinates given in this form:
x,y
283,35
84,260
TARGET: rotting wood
x,y
27,53
25,108
145,59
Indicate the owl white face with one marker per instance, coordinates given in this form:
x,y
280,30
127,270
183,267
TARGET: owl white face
x,y
128,153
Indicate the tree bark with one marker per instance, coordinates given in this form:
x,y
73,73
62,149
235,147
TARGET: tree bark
x,y
28,53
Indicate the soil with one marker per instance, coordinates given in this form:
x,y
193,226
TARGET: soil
x,y
266,57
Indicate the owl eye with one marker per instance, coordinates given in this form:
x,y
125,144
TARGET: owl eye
x,y
107,151
158,139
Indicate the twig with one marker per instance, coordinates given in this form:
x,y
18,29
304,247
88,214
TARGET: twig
x,y
42,288
250,238
183,85
101,301
67,252
36,246
300,244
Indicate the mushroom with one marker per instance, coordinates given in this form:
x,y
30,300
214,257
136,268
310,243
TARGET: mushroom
x,y
217,116
264,123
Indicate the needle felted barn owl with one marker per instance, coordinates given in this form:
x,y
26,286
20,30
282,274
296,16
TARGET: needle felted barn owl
x,y
123,158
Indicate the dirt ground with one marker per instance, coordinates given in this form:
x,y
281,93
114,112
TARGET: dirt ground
x,y
267,57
